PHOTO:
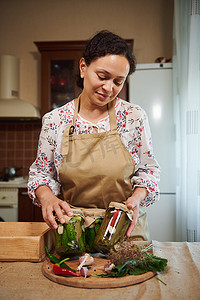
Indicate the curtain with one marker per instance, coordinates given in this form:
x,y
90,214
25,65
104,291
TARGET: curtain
x,y
186,93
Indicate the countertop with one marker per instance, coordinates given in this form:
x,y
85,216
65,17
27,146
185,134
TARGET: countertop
x,y
18,182
180,280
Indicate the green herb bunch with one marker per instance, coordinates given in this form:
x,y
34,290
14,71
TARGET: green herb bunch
x,y
133,260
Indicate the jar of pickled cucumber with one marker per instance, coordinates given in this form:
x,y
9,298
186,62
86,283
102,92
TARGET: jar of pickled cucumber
x,y
70,236
114,226
93,218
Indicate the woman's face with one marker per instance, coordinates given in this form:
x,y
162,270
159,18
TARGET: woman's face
x,y
104,78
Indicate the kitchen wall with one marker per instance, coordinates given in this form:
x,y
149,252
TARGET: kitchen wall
x,y
22,22
18,145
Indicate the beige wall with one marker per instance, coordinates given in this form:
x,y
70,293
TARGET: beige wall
x,y
148,22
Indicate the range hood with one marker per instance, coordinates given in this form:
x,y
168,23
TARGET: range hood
x,y
11,107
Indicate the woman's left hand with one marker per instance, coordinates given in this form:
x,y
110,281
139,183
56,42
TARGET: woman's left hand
x,y
133,203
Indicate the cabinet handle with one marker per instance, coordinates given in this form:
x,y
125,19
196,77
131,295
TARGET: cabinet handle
x,y
24,193
8,205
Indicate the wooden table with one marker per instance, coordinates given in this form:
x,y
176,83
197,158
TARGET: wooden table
x,y
24,280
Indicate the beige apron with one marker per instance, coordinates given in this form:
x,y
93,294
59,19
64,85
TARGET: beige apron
x,y
97,169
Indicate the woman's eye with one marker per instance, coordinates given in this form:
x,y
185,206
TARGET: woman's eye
x,y
118,83
101,78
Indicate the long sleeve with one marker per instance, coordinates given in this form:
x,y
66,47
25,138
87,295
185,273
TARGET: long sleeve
x,y
43,170
147,172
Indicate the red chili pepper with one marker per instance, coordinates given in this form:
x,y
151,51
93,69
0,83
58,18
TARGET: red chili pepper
x,y
114,218
111,223
62,271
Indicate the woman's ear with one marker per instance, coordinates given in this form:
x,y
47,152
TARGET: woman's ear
x,y
82,66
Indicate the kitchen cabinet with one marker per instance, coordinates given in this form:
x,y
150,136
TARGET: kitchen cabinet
x,y
8,204
27,212
60,70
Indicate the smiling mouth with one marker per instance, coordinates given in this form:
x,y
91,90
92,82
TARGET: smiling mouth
x,y
103,96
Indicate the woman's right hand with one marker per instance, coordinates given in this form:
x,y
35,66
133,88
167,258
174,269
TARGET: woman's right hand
x,y
50,205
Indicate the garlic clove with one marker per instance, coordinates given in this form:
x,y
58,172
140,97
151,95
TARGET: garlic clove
x,y
84,272
60,229
108,267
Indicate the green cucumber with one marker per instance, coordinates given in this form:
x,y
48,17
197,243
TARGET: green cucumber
x,y
65,239
81,244
71,232
58,239
90,236
97,225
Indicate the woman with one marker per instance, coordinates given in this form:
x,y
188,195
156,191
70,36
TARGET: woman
x,y
97,147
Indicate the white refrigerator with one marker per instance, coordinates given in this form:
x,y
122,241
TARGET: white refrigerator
x,y
151,88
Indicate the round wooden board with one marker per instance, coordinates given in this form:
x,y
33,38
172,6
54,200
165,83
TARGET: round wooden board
x,y
93,282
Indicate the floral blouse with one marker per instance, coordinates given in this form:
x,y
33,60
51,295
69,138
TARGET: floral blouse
x,y
133,129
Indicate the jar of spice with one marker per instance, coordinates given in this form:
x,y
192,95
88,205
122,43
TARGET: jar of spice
x,y
114,226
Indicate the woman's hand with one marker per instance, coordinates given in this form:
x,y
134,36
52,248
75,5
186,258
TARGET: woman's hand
x,y
133,203
50,204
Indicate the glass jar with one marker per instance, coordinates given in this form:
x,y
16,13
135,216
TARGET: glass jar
x,y
114,226
93,218
70,236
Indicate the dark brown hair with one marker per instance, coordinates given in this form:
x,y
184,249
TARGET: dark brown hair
x,y
104,43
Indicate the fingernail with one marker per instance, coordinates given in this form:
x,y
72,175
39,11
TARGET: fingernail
x,y
55,226
70,213
62,220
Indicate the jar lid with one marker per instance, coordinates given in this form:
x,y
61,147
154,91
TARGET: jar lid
x,y
92,214
123,207
76,212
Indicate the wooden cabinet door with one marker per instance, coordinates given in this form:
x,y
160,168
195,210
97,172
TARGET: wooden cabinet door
x,y
27,211
59,53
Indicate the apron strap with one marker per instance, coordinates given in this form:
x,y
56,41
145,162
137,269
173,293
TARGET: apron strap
x,y
112,115
76,104
65,140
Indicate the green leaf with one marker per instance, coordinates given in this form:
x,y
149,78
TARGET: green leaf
x,y
111,274
138,271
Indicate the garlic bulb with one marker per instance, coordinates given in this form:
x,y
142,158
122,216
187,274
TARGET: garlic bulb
x,y
85,260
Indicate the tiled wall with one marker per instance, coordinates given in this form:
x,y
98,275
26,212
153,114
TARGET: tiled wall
x,y
18,144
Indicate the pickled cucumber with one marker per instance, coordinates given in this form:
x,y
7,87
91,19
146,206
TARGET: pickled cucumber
x,y
71,232
65,239
97,225
58,239
90,235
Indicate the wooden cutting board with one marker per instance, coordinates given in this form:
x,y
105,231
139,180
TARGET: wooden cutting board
x,y
93,282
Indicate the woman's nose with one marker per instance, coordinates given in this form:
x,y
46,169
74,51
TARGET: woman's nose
x,y
108,86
